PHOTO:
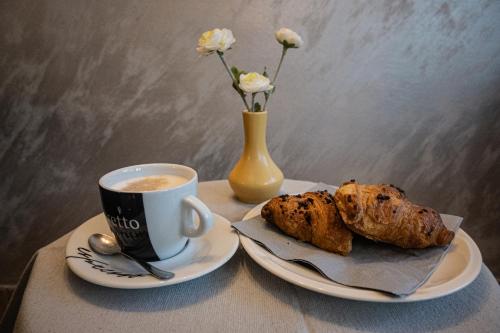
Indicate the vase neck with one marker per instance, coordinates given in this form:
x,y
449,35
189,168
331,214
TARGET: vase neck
x,y
255,124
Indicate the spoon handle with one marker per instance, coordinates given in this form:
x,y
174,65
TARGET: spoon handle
x,y
156,272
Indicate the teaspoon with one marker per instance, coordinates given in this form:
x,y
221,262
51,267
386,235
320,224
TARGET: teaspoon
x,y
107,245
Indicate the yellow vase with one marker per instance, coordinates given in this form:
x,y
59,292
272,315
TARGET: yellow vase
x,y
255,178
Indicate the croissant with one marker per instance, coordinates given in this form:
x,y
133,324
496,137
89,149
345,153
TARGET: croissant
x,y
383,213
310,217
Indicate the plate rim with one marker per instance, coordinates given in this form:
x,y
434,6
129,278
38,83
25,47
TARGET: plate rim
x,y
463,279
151,282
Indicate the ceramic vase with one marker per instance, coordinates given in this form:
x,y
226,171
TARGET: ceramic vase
x,y
255,177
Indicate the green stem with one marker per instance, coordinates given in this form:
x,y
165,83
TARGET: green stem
x,y
221,56
283,52
279,65
235,82
253,104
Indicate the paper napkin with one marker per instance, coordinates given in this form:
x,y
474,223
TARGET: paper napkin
x,y
370,265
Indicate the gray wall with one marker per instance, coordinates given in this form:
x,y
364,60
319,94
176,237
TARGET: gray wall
x,y
383,91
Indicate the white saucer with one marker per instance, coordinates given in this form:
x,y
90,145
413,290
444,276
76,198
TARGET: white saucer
x,y
201,255
460,266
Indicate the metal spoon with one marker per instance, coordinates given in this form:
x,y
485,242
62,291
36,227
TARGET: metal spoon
x,y
107,245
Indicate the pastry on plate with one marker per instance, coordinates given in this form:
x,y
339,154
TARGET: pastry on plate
x,y
310,217
383,213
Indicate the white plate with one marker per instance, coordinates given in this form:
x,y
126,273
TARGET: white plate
x,y
459,267
201,255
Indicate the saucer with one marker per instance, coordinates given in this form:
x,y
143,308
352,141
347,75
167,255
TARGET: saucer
x,y
201,256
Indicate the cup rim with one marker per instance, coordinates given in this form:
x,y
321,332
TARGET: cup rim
x,y
133,168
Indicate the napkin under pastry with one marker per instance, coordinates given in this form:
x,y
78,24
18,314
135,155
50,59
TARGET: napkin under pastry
x,y
370,265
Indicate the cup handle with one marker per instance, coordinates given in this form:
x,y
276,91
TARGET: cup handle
x,y
206,217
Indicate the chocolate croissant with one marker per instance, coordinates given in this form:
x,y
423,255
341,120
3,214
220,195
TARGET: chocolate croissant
x,y
310,217
383,213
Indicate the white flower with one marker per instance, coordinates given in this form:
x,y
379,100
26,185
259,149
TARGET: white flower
x,y
254,83
215,40
290,37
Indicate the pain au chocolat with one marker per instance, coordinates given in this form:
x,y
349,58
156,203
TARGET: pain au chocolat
x,y
383,213
310,217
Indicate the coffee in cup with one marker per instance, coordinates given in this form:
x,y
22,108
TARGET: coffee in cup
x,y
150,183
149,209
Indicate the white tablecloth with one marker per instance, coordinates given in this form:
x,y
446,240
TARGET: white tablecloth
x,y
238,297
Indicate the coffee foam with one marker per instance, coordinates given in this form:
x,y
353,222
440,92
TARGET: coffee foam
x,y
150,183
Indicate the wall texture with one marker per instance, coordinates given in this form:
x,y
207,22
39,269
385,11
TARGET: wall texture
x,y
405,92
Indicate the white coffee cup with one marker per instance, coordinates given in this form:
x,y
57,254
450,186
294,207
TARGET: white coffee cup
x,y
154,224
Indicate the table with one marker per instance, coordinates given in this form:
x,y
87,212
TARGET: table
x,y
238,297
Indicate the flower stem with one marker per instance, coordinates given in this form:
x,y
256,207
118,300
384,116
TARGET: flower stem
x,y
283,52
253,104
235,82
221,56
279,65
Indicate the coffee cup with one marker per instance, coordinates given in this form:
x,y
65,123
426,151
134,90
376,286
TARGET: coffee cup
x,y
149,209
